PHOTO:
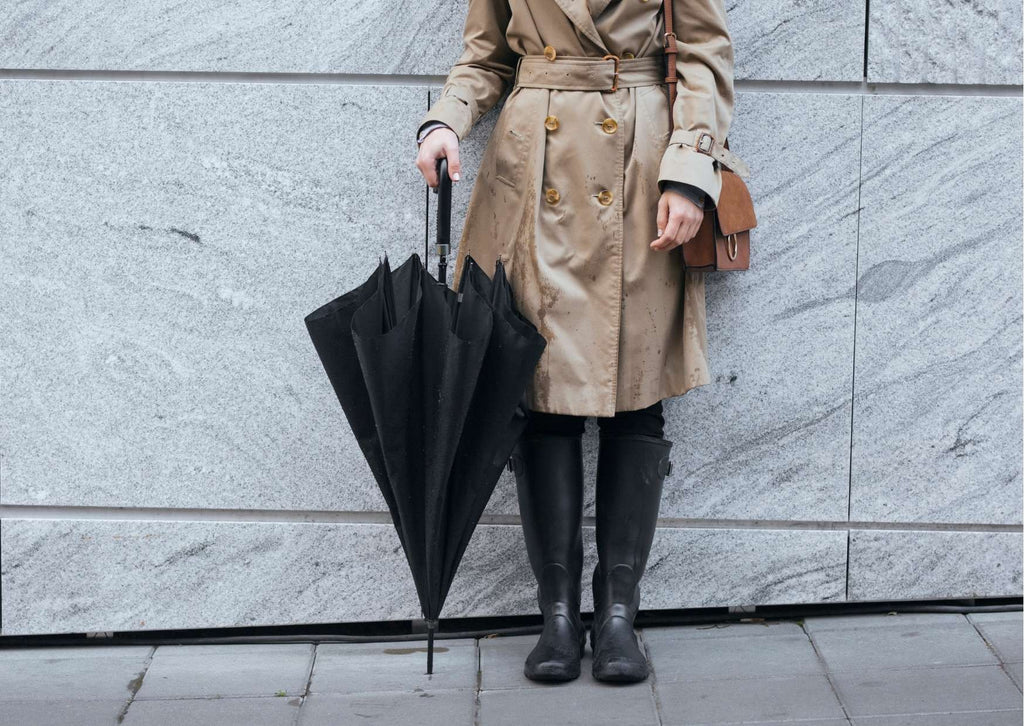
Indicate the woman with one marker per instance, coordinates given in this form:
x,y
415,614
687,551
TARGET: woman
x,y
586,191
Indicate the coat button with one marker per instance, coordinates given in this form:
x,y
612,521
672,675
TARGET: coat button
x,y
549,52
551,123
605,197
609,126
627,54
552,196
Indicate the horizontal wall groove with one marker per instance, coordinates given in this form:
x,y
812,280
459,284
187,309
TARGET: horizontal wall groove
x,y
253,516
859,87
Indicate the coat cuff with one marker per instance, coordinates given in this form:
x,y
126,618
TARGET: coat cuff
x,y
683,163
689,191
427,127
456,108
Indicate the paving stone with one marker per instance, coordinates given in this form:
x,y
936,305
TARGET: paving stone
x,y
847,622
200,671
926,690
801,722
971,718
1006,635
573,703
394,666
996,616
921,644
747,700
723,630
390,708
60,712
690,659
72,674
266,711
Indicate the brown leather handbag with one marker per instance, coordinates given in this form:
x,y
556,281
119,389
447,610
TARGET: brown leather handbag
x,y
723,240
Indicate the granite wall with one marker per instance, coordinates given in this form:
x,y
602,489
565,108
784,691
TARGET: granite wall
x,y
180,185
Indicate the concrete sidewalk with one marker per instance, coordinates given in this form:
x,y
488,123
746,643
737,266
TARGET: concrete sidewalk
x,y
869,670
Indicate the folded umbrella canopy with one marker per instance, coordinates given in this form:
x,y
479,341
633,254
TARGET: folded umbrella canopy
x,y
432,382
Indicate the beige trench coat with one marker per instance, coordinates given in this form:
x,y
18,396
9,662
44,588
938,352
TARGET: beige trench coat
x,y
625,324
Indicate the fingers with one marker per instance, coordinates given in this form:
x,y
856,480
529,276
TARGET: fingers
x,y
439,143
684,220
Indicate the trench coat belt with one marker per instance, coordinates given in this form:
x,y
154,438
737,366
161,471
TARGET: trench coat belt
x,y
609,73
589,73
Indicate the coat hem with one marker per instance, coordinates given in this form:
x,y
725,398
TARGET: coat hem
x,y
644,402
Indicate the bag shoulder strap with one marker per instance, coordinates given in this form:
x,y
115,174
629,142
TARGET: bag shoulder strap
x,y
670,64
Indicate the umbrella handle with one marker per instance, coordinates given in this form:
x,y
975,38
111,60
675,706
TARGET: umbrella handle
x,y
444,219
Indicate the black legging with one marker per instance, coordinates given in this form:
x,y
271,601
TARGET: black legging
x,y
650,421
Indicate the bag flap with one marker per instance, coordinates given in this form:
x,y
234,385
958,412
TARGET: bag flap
x,y
735,210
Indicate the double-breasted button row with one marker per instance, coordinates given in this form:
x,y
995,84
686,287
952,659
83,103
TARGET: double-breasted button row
x,y
609,125
605,197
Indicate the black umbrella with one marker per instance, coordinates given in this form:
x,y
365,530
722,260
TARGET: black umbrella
x,y
433,384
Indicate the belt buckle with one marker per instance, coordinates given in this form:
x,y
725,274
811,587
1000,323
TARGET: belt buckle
x,y
615,73
704,142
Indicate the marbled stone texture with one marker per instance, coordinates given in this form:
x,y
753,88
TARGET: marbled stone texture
x,y
84,575
937,383
170,239
922,565
769,437
931,41
779,40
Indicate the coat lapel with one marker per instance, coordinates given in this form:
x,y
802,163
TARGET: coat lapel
x,y
579,13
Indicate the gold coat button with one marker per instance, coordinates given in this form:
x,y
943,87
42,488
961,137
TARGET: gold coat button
x,y
605,197
552,196
549,52
551,123
609,126
627,54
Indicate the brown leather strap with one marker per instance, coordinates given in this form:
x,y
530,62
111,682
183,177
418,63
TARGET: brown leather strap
x,y
670,60
670,65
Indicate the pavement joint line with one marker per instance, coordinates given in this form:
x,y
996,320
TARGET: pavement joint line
x,y
1002,663
652,678
825,671
829,673
871,717
136,684
309,681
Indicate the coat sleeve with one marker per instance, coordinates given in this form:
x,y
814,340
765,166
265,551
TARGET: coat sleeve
x,y
705,96
483,71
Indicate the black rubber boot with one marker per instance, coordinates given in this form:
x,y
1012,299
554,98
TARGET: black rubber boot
x,y
549,481
630,472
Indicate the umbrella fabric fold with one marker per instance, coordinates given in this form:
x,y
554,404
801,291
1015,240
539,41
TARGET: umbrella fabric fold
x,y
432,382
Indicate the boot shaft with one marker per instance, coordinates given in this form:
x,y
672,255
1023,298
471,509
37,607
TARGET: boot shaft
x,y
549,481
631,471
